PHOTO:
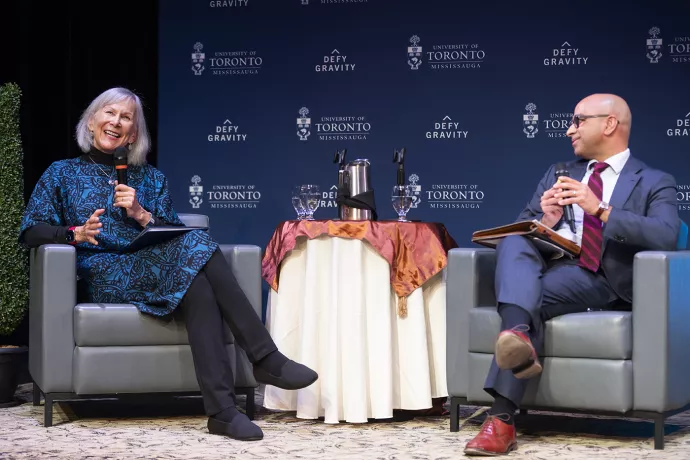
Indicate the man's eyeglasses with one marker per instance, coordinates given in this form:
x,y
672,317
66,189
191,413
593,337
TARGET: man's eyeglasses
x,y
577,119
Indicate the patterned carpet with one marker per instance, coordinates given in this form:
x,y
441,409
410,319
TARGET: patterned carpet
x,y
118,430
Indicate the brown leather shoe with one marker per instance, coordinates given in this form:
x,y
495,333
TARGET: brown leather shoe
x,y
514,351
495,437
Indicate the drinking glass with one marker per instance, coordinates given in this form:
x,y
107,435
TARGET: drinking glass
x,y
297,202
402,201
311,197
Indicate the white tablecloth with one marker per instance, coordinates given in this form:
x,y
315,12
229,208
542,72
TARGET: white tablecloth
x,y
335,311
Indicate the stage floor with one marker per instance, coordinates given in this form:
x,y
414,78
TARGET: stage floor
x,y
116,430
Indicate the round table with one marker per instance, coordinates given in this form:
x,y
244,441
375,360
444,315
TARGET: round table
x,y
363,304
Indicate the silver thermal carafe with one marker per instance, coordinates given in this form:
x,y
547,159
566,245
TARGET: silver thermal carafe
x,y
355,192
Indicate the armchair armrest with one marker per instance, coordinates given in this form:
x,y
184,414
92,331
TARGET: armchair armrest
x,y
53,296
245,262
469,284
661,325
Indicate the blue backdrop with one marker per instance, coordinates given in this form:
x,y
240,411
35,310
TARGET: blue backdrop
x,y
257,95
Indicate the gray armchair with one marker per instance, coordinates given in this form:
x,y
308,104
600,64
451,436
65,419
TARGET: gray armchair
x,y
631,364
86,350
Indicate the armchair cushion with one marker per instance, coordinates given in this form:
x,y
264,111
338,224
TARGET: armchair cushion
x,y
596,334
565,383
147,369
113,325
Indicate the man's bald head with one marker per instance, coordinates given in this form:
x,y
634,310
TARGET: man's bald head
x,y
604,126
611,104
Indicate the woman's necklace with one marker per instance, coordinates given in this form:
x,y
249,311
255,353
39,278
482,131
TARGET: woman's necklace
x,y
110,177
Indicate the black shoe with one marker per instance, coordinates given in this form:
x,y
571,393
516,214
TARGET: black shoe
x,y
293,376
241,428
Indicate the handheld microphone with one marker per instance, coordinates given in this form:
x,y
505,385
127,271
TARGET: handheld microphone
x,y
567,209
120,160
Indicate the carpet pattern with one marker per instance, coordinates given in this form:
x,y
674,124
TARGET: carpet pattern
x,y
108,429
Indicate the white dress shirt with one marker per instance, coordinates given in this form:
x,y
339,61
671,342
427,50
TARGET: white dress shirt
x,y
609,178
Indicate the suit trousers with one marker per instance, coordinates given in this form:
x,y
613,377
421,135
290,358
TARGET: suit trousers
x,y
544,289
215,296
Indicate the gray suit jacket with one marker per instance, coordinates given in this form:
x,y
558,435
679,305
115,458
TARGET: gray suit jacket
x,y
644,216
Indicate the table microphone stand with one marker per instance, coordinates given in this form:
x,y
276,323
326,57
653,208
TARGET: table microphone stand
x,y
340,159
399,157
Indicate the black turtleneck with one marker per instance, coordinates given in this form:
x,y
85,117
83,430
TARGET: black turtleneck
x,y
98,157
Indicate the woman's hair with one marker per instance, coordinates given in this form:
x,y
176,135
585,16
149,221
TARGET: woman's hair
x,y
142,144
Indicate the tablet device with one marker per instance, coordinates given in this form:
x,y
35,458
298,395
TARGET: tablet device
x,y
156,235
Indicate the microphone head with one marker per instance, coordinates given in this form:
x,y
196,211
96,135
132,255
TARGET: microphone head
x,y
561,171
120,156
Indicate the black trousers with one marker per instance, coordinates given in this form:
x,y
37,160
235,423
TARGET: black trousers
x,y
214,298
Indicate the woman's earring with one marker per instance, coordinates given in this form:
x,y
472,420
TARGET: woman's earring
x,y
129,146
91,135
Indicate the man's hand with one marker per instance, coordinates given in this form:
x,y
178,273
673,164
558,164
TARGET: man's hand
x,y
575,192
126,197
87,233
549,205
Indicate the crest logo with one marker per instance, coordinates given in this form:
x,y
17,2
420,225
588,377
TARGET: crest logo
x,y
303,124
530,121
416,190
196,192
414,53
654,46
198,59
336,128
305,2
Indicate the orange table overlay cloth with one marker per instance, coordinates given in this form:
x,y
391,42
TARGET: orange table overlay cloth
x,y
415,251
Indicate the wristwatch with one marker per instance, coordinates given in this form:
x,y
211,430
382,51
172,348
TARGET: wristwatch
x,y
152,221
603,206
69,236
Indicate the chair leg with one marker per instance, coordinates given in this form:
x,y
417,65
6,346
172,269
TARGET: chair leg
x,y
659,432
251,406
48,411
454,414
37,395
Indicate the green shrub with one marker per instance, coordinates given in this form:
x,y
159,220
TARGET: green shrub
x,y
14,263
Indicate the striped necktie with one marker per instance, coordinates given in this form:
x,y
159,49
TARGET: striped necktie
x,y
592,233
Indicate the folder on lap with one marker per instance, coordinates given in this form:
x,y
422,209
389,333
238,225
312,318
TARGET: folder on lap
x,y
157,235
544,238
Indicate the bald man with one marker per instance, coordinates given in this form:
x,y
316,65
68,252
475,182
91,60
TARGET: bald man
x,y
621,206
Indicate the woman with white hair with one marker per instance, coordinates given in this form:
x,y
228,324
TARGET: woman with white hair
x,y
76,202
